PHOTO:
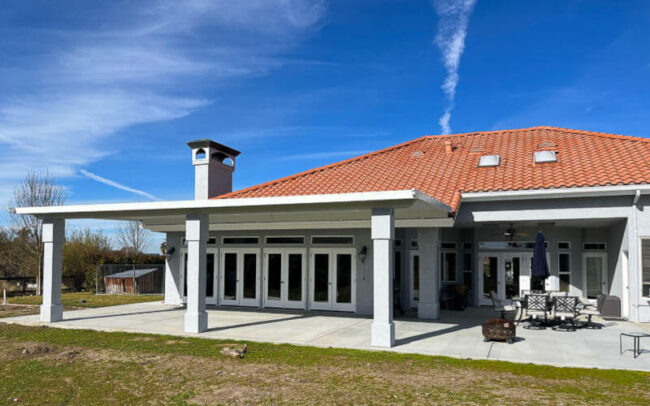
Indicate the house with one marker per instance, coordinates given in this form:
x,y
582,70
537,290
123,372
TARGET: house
x,y
400,225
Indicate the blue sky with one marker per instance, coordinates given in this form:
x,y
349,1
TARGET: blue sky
x,y
107,93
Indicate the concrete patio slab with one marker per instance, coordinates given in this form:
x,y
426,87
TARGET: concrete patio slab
x,y
455,334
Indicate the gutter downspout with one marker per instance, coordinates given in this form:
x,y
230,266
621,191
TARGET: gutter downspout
x,y
637,257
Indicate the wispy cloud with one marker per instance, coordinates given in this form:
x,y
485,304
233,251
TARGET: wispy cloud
x,y
320,155
117,185
65,100
453,18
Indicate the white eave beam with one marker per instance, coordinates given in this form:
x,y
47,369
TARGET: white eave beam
x,y
124,211
620,190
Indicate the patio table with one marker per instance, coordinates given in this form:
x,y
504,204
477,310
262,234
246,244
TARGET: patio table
x,y
636,336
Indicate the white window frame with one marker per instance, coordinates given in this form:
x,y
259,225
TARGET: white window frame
x,y
239,244
604,249
214,299
564,251
280,244
641,239
413,302
443,252
332,304
336,244
284,301
594,253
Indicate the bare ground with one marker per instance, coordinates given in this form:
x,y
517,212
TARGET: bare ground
x,y
226,380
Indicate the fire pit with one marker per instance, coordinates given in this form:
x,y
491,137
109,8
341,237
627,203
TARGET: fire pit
x,y
500,330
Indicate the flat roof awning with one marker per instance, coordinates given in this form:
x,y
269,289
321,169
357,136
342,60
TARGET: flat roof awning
x,y
347,210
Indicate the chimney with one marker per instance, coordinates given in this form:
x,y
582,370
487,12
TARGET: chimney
x,y
449,148
213,167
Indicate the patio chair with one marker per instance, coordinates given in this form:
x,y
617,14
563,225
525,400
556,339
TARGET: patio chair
x,y
536,307
565,308
502,305
591,310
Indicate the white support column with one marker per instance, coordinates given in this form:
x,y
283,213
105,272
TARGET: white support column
x,y
196,234
383,234
53,240
173,287
429,243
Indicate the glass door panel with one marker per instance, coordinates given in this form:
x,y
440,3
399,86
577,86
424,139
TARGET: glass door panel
x,y
594,267
295,280
512,272
343,278
321,278
230,277
274,277
415,278
249,276
490,277
209,276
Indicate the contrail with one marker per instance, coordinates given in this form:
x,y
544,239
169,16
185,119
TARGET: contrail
x,y
117,185
450,38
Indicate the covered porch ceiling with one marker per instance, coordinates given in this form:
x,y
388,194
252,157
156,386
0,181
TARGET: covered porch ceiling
x,y
348,210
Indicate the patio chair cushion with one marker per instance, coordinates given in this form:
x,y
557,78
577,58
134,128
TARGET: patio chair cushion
x,y
590,311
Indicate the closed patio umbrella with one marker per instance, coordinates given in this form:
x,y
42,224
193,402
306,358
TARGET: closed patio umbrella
x,y
540,266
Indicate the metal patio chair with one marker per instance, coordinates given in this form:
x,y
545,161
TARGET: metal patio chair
x,y
536,307
590,310
502,305
565,308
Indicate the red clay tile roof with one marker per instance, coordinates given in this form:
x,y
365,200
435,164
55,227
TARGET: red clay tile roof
x,y
584,159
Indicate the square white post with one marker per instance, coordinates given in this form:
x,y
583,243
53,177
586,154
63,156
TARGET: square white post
x,y
383,234
196,234
429,243
53,240
173,292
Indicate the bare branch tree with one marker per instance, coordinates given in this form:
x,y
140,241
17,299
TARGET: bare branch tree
x,y
133,237
38,189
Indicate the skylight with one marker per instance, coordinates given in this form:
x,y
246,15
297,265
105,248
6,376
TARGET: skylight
x,y
545,156
489,160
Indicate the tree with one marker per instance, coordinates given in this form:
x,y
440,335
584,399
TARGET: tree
x,y
38,189
82,252
133,238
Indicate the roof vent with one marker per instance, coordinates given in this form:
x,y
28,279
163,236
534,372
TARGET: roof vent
x,y
545,156
489,160
546,144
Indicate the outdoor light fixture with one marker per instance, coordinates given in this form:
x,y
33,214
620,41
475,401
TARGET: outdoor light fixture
x,y
363,254
170,253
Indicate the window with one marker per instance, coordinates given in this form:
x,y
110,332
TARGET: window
x,y
448,245
489,160
467,245
467,269
645,265
398,244
564,245
285,240
212,241
332,240
594,246
240,240
414,244
565,272
448,265
545,156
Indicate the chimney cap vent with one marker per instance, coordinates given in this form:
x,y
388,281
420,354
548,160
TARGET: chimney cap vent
x,y
206,143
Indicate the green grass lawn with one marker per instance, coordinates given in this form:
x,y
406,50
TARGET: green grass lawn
x,y
87,299
42,365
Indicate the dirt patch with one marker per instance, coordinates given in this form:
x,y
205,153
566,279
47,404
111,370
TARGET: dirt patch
x,y
220,379
17,310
